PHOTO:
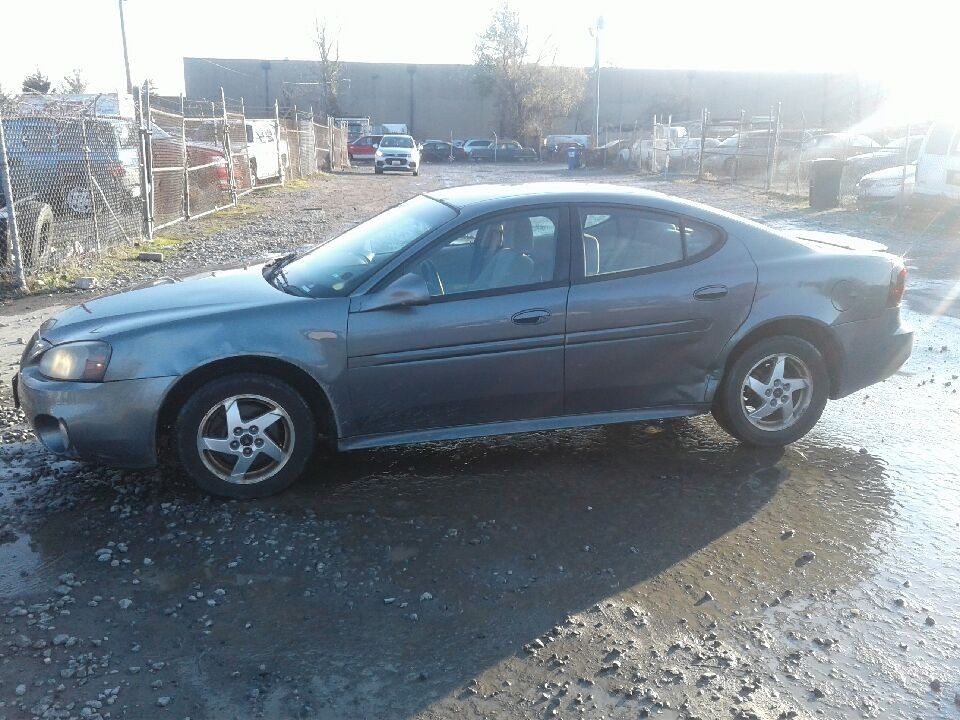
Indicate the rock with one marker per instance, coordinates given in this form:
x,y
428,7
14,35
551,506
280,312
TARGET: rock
x,y
930,621
707,597
150,257
125,603
426,596
807,557
21,689
935,685
85,283
163,701
787,534
60,639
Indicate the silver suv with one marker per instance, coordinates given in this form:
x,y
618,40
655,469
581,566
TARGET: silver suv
x,y
397,152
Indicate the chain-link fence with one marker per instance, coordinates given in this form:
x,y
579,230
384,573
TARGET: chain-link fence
x,y
75,182
765,152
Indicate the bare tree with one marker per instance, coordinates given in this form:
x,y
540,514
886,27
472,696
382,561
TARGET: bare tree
x,y
328,47
530,93
36,83
74,83
8,101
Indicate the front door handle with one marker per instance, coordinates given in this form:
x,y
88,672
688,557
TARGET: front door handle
x,y
711,292
531,317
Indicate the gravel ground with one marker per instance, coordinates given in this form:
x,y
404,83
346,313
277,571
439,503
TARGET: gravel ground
x,y
651,570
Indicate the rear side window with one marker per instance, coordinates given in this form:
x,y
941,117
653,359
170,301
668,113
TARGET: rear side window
x,y
700,238
617,240
938,142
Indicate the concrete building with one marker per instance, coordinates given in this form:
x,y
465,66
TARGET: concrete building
x,y
437,100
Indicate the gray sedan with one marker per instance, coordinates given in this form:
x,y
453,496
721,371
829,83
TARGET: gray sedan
x,y
465,312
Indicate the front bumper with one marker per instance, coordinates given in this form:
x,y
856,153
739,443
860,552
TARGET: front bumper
x,y
112,422
393,163
870,351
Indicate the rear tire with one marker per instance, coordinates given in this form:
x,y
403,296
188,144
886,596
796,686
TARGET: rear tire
x,y
230,455
35,225
773,393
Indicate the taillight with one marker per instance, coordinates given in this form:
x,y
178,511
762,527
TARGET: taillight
x,y
898,283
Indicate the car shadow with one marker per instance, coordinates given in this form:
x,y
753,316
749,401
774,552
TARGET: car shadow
x,y
389,579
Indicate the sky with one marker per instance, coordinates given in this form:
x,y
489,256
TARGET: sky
x,y
911,48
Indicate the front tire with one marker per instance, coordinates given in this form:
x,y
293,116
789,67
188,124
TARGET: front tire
x,y
245,436
773,393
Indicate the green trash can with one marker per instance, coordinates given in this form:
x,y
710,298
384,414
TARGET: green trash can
x,y
825,177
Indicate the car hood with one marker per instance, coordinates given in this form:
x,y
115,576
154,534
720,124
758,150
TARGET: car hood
x,y
397,150
164,302
893,173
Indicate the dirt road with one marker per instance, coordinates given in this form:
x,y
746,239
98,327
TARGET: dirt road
x,y
657,569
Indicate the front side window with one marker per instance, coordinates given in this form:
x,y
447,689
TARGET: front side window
x,y
617,240
336,268
938,142
506,251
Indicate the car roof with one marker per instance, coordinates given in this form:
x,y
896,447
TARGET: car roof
x,y
495,194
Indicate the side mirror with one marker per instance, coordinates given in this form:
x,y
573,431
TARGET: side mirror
x,y
406,291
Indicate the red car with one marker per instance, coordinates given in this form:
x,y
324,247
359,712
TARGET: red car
x,y
364,147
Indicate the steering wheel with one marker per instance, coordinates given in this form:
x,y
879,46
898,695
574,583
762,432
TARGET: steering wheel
x,y
432,277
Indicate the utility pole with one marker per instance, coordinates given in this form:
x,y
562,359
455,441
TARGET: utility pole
x,y
126,56
595,31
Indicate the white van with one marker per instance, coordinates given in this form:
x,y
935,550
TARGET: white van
x,y
938,166
268,156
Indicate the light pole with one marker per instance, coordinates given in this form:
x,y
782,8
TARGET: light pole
x,y
126,57
595,31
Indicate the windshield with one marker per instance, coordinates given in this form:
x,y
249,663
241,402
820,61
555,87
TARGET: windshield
x,y
396,141
336,268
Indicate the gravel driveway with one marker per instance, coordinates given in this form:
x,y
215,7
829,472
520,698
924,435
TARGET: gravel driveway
x,y
657,569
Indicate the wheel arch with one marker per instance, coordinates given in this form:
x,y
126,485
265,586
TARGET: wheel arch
x,y
813,331
295,376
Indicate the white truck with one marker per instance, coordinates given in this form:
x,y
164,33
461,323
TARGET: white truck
x,y
267,152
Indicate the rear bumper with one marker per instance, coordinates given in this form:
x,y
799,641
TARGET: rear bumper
x,y
871,351
111,422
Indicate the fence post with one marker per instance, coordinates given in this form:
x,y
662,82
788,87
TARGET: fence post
x,y
296,128
776,142
769,158
228,148
704,114
146,167
736,155
186,158
276,132
91,183
902,200
16,256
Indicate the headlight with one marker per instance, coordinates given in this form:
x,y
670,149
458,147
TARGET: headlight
x,y
378,153
80,361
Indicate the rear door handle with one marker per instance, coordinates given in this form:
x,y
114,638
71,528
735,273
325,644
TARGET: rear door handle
x,y
531,317
711,292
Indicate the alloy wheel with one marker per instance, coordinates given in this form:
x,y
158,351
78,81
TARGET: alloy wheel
x,y
245,439
776,392
79,200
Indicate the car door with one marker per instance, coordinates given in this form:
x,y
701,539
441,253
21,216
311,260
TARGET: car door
x,y
653,300
487,348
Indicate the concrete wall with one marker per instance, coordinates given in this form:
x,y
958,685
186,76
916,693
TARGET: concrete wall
x,y
435,100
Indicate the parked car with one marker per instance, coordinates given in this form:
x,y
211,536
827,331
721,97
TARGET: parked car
x,y
470,145
503,151
364,147
268,153
48,162
938,165
209,179
738,155
459,313
441,151
397,153
686,154
885,185
890,155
